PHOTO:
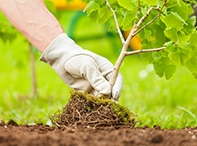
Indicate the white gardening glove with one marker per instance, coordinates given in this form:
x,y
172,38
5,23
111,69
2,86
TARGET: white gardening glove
x,y
81,69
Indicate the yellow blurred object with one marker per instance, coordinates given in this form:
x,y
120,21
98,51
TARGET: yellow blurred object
x,y
79,5
135,42
72,5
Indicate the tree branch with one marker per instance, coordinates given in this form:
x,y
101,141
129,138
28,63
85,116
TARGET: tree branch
x,y
135,28
124,49
139,4
137,9
146,25
151,20
116,21
144,17
126,43
143,51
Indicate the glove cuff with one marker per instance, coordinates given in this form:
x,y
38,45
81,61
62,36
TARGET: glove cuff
x,y
62,47
44,57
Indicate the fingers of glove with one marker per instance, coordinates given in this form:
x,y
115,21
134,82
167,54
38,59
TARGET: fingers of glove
x,y
78,84
72,77
117,88
115,100
84,66
95,93
106,68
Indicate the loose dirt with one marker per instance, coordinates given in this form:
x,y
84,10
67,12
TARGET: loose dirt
x,y
92,121
40,135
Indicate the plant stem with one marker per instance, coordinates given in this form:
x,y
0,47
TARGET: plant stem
x,y
133,32
143,51
34,81
116,22
138,8
121,57
135,28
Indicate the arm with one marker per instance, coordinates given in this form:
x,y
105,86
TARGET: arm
x,y
33,20
80,69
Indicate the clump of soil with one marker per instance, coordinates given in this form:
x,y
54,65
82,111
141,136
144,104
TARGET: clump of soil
x,y
87,110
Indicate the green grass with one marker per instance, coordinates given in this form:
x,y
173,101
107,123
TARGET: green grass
x,y
168,103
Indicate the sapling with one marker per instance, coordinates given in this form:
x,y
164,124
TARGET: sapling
x,y
164,26
134,31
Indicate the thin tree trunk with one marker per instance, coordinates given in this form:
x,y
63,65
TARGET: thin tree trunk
x,y
34,81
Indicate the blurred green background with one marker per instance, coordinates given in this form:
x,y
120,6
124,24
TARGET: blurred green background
x,y
168,103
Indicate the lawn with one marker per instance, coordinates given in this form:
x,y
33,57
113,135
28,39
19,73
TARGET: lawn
x,y
168,103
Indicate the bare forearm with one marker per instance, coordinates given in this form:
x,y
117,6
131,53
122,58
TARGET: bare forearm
x,y
33,20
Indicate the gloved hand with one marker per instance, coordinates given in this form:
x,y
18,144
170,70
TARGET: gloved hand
x,y
81,69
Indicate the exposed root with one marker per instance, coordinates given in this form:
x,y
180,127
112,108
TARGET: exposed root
x,y
86,110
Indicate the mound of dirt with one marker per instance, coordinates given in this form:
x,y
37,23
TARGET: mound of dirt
x,y
89,111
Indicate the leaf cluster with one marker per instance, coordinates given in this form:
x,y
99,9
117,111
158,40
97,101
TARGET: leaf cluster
x,y
173,29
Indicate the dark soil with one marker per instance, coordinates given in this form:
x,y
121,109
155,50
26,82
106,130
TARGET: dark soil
x,y
93,121
13,135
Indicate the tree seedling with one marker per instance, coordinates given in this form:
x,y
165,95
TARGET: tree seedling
x,y
164,26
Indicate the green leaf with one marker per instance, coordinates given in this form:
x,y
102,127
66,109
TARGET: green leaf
x,y
128,20
104,14
147,34
169,46
192,20
128,4
156,56
186,48
160,38
172,34
144,10
150,2
179,2
100,2
112,1
179,17
94,16
193,39
120,20
191,64
191,25
178,37
172,21
146,44
164,54
179,57
147,56
91,7
182,10
162,69
182,38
